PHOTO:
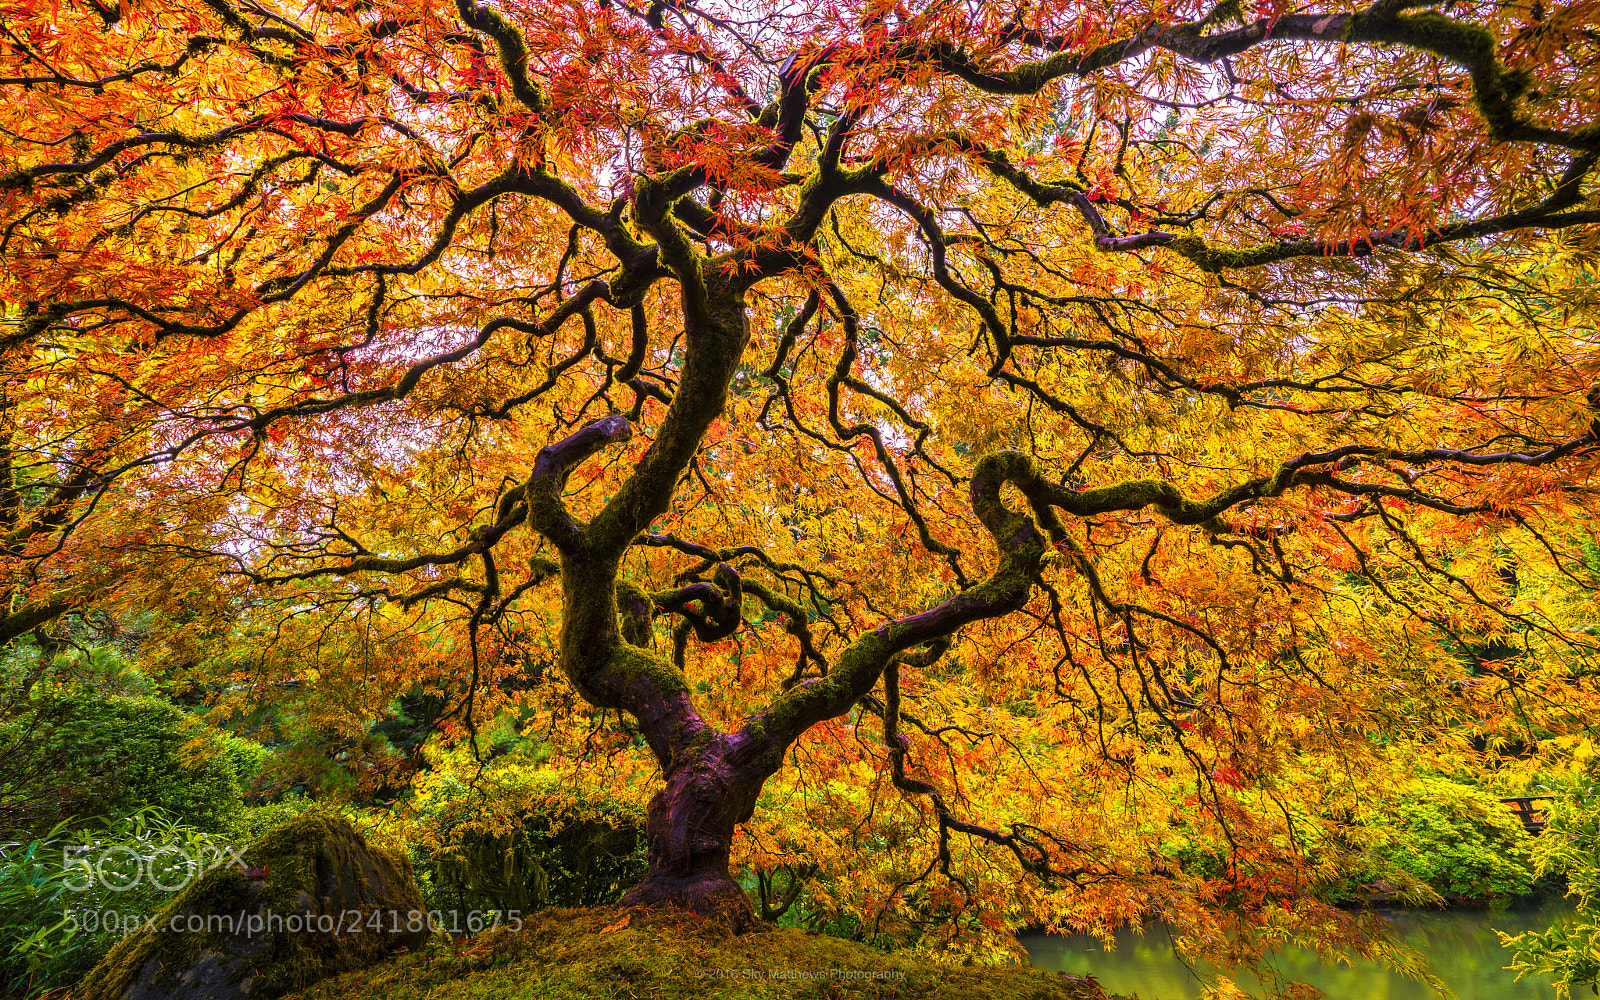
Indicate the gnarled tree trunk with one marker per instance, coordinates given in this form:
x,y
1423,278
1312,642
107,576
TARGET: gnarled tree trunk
x,y
713,778
690,827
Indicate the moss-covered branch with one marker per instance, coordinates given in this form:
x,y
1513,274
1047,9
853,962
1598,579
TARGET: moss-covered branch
x,y
857,670
28,617
513,51
547,512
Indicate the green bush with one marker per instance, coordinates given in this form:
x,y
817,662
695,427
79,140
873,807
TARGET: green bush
x,y
253,821
246,757
1460,841
82,755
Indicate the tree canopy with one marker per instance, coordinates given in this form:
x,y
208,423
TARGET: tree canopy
x,y
974,446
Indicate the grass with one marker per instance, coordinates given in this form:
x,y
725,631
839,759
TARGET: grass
x,y
654,955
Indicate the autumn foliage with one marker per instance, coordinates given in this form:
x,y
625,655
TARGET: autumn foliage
x,y
1022,462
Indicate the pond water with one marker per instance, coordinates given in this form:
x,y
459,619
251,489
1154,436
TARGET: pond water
x,y
1461,944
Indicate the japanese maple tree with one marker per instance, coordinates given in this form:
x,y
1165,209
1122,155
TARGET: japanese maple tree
x,y
1212,386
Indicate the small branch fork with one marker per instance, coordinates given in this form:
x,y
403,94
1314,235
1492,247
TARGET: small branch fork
x,y
1026,842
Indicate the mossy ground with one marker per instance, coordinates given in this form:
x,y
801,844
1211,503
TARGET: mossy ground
x,y
639,954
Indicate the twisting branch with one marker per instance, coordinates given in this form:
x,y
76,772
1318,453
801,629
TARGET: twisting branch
x,y
513,52
857,669
547,512
718,614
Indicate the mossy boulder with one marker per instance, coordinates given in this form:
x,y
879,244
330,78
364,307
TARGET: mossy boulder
x,y
310,899
615,952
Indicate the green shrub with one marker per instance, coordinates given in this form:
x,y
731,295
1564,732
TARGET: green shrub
x,y
253,821
1568,953
246,757
1460,841
79,754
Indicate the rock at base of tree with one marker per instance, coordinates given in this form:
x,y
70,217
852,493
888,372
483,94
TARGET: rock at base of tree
x,y
311,899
